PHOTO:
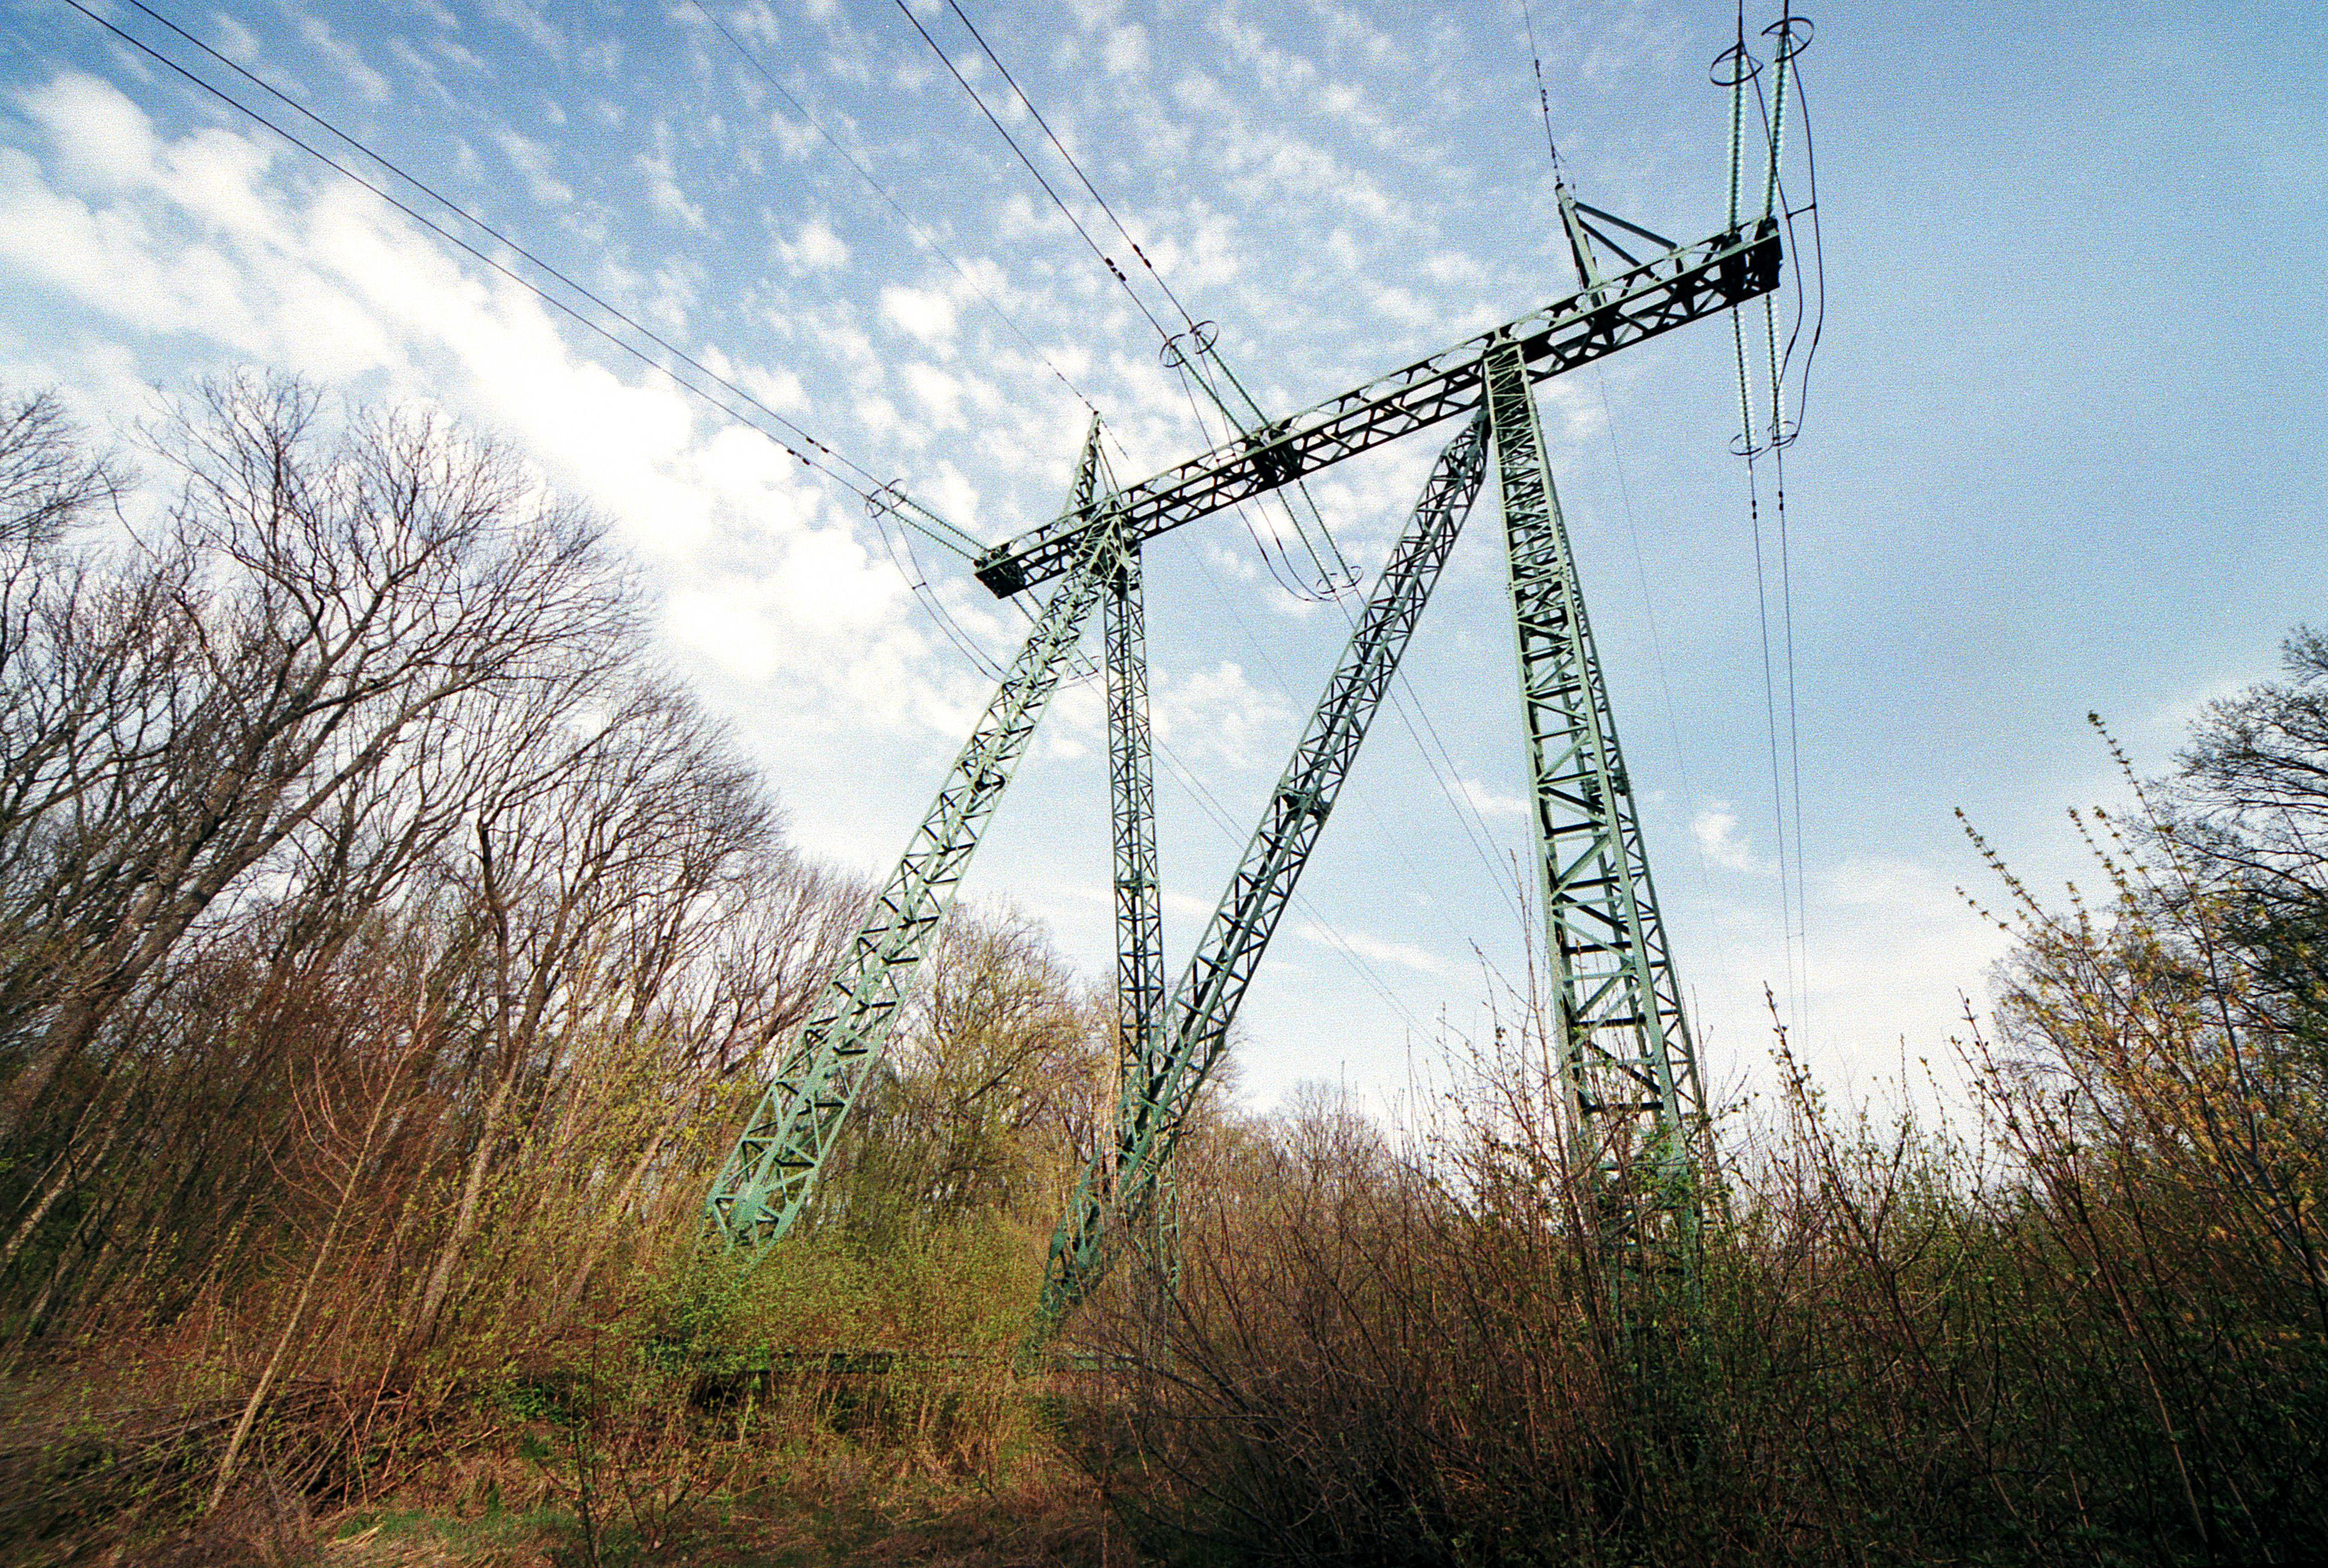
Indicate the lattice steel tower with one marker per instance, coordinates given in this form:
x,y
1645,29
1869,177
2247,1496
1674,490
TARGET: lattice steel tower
x,y
1628,1070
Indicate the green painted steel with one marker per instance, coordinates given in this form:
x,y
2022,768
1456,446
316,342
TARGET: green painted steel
x,y
1683,284
773,1167
1627,1066
1120,1187
1140,997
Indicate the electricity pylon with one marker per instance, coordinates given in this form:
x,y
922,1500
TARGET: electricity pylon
x,y
1629,1070
1124,1181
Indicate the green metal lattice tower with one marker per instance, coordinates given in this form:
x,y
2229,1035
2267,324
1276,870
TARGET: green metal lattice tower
x,y
1629,1070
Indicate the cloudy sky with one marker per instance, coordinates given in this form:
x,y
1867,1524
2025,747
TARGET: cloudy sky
x,y
2062,449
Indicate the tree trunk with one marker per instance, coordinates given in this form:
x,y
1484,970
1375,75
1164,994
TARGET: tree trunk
x,y
465,1221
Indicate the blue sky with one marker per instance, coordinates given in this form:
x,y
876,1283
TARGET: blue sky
x,y
2063,450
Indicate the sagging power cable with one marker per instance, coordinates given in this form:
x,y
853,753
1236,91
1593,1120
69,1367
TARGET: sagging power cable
x,y
920,235
832,461
1333,580
1736,68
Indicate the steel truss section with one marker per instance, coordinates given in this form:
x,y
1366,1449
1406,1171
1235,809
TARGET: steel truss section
x,y
1628,1067
773,1167
1124,1183
1683,284
1140,995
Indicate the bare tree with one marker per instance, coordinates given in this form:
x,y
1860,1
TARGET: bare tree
x,y
325,592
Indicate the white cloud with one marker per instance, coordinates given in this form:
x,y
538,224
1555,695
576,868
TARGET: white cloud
x,y
813,248
1716,830
923,315
663,193
1127,50
1217,714
533,160
201,239
368,82
1491,802
1376,950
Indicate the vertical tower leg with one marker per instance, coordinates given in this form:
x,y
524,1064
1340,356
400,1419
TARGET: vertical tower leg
x,y
1140,995
1628,1067
1126,1182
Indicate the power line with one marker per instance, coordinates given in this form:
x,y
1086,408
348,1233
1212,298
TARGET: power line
x,y
1332,582
1543,99
917,580
1070,159
955,71
921,235
1217,814
1454,798
865,489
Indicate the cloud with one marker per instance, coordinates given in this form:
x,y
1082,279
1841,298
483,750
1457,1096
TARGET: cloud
x,y
202,239
813,248
369,83
923,315
1490,802
1376,950
1716,830
533,160
1127,50
1217,714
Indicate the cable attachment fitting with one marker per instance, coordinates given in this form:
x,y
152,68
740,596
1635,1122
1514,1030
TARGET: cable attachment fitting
x,y
1183,349
1793,34
1734,66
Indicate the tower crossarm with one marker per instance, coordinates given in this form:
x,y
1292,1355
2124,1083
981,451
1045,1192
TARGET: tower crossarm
x,y
1681,285
1210,992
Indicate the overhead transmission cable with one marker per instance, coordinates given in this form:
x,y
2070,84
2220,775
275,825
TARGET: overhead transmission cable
x,y
879,497
1543,97
1397,840
1048,190
1338,578
1210,804
798,431
1791,33
1342,575
1608,423
921,235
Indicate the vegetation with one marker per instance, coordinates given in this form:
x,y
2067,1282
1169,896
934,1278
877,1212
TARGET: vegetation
x,y
2092,1329
387,947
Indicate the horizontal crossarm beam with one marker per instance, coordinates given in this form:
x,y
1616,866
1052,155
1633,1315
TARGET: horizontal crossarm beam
x,y
1687,282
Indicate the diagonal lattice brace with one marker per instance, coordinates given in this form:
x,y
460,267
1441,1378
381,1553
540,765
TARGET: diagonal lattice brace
x,y
1123,1182
1628,1068
773,1167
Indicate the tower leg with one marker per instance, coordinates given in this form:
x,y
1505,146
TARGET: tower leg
x,y
1139,996
1628,1067
768,1176
1124,1183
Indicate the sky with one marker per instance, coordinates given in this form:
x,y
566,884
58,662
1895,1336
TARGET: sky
x,y
2062,450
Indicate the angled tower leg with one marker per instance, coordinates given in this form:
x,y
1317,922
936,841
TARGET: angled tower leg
x,y
1214,987
768,1176
1628,1069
